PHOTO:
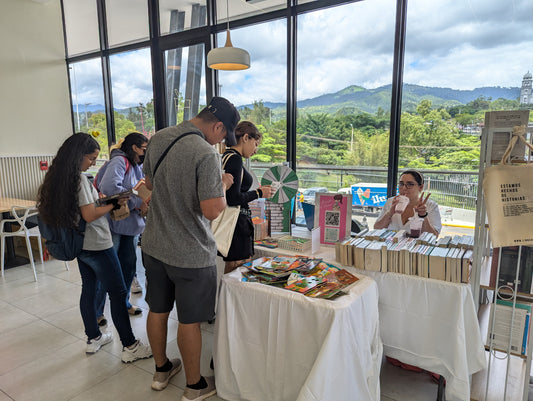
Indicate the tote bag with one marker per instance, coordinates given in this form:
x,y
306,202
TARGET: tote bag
x,y
223,226
508,194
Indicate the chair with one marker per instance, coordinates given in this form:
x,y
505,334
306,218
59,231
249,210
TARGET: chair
x,y
22,231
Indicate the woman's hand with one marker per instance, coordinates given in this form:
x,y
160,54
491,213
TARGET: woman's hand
x,y
421,208
144,208
266,190
395,201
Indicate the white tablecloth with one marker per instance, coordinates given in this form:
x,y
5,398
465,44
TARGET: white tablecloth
x,y
431,324
277,345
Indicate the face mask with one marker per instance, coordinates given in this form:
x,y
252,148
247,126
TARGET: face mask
x,y
141,159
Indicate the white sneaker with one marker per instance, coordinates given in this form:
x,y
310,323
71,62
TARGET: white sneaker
x,y
95,344
135,286
140,351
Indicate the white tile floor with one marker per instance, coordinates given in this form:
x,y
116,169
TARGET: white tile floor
x,y
42,347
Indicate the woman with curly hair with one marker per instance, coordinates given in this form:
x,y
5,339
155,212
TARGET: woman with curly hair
x,y
65,197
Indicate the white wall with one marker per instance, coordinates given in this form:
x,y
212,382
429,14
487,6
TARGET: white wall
x,y
34,101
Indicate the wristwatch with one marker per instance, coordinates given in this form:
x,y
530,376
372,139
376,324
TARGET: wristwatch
x,y
423,215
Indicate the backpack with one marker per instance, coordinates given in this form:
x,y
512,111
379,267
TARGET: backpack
x,y
63,243
101,172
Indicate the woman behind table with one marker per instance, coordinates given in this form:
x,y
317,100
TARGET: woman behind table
x,y
121,173
65,194
411,185
242,246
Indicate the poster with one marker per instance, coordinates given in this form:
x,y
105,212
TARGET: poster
x,y
333,214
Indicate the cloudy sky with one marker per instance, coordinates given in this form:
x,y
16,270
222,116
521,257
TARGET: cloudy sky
x,y
460,44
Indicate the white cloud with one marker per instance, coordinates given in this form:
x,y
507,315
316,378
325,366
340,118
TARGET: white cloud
x,y
461,44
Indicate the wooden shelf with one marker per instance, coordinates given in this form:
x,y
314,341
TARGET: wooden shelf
x,y
487,348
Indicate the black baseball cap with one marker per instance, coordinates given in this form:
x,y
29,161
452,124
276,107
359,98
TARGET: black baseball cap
x,y
226,113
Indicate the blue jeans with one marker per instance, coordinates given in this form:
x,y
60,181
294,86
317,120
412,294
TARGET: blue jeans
x,y
104,267
124,246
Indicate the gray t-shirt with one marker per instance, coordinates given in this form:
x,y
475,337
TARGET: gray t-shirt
x,y
97,234
177,233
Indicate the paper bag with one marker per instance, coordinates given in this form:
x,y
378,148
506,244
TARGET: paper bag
x,y
120,214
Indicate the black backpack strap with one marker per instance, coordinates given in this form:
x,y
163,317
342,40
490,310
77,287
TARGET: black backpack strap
x,y
169,147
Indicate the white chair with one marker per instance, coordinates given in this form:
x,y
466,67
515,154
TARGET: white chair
x,y
20,215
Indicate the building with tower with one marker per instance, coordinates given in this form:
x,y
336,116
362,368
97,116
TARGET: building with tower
x,y
526,96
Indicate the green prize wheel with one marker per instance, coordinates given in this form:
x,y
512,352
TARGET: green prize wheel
x,y
284,182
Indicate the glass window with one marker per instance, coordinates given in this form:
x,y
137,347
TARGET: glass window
x,y
450,84
88,100
184,82
131,81
344,67
81,26
180,15
260,92
127,21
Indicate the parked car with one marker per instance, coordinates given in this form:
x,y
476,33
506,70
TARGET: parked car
x,y
309,193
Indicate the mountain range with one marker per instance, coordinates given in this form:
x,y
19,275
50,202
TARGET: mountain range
x,y
354,99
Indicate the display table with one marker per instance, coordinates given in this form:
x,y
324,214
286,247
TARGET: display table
x,y
431,324
277,345
424,322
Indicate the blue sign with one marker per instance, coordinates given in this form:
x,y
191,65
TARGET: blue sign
x,y
371,195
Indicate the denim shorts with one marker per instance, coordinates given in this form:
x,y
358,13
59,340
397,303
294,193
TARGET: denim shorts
x,y
192,289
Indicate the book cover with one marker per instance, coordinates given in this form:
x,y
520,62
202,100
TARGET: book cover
x,y
106,200
521,305
333,214
142,191
503,329
305,284
500,124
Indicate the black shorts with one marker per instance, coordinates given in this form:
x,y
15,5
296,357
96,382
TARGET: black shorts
x,y
242,244
192,289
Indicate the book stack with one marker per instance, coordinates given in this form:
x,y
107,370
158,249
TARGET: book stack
x,y
260,228
309,276
447,259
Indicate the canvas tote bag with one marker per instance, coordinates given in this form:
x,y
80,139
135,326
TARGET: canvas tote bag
x,y
508,194
223,226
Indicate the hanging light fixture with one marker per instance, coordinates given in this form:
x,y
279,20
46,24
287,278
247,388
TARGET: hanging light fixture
x,y
228,58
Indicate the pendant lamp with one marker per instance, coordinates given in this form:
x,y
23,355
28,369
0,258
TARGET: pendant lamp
x,y
228,58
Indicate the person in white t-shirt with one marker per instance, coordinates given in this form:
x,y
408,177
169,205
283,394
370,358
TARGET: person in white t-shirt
x,y
66,195
411,185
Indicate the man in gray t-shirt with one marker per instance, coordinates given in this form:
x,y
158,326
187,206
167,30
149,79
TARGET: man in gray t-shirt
x,y
179,251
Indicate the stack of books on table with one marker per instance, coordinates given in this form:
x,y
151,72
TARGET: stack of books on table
x,y
448,258
308,276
